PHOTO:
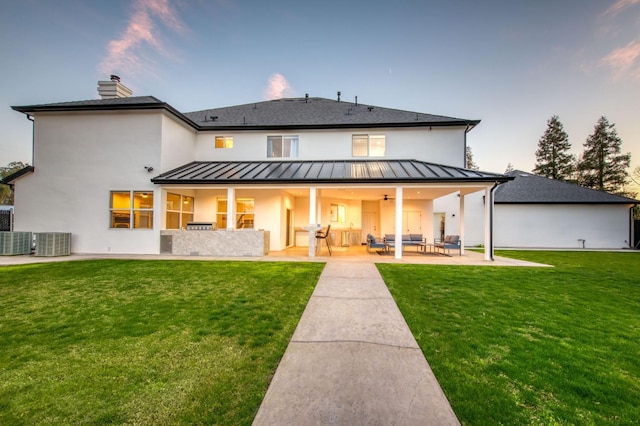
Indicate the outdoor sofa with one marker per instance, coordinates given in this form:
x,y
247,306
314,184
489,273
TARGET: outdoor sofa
x,y
415,240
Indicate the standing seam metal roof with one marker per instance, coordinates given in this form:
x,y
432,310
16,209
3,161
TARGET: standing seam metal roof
x,y
326,171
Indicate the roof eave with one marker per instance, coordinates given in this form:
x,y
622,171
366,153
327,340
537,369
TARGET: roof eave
x,y
161,181
9,179
622,202
30,109
456,123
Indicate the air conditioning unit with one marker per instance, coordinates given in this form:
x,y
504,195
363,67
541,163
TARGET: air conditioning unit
x,y
15,243
53,243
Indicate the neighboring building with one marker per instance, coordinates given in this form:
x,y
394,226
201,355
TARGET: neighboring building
x,y
537,212
127,174
6,218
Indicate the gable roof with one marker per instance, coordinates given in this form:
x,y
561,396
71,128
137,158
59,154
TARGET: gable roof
x,y
527,188
288,113
328,171
316,113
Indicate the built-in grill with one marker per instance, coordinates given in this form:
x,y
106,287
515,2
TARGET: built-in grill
x,y
200,226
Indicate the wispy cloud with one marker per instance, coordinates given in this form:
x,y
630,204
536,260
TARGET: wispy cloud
x,y
278,87
132,53
619,6
625,60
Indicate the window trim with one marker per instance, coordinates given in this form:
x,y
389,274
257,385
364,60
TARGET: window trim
x,y
226,142
239,214
293,148
371,137
131,209
181,212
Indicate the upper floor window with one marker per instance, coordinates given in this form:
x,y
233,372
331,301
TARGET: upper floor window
x,y
224,141
368,145
132,209
282,146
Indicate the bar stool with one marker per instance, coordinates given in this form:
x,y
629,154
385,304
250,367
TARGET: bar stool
x,y
323,236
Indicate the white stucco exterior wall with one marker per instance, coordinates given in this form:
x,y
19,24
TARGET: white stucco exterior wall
x,y
178,144
78,160
561,226
441,145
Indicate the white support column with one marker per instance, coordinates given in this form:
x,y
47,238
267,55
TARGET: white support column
x,y
231,209
313,222
398,248
461,226
488,239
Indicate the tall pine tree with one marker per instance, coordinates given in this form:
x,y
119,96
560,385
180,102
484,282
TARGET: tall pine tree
x,y
602,166
552,157
470,163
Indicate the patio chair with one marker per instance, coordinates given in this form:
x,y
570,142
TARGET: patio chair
x,y
323,236
372,243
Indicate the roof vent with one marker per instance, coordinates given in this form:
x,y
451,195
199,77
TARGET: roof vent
x,y
113,89
338,96
370,108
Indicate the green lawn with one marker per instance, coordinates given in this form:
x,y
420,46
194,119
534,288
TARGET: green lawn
x,y
541,346
144,342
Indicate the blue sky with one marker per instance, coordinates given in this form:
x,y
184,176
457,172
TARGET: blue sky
x,y
512,64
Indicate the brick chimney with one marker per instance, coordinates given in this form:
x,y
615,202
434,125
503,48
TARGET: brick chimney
x,y
113,89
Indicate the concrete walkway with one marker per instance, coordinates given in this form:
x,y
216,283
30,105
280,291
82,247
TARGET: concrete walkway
x,y
353,361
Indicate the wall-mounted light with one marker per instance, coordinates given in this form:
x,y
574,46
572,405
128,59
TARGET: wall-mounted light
x,y
149,169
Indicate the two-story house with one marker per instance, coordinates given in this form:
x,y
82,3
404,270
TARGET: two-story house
x,y
128,174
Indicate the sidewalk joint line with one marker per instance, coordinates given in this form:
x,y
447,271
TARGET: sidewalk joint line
x,y
388,345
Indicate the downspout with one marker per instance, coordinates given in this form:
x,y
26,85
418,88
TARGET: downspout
x,y
632,237
495,185
32,119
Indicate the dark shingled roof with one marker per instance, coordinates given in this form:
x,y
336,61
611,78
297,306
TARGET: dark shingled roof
x,y
95,104
130,103
327,171
289,113
316,113
528,188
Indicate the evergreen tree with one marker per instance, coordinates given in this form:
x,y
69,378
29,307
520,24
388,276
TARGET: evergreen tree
x,y
552,157
470,163
602,166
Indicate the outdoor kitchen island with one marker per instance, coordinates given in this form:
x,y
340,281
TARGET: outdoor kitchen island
x,y
227,243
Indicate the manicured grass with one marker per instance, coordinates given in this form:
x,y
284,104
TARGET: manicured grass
x,y
542,346
144,342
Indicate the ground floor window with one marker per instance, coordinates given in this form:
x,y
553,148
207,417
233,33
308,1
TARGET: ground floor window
x,y
131,209
179,211
244,213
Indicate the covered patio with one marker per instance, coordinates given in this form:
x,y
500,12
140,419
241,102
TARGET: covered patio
x,y
292,200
